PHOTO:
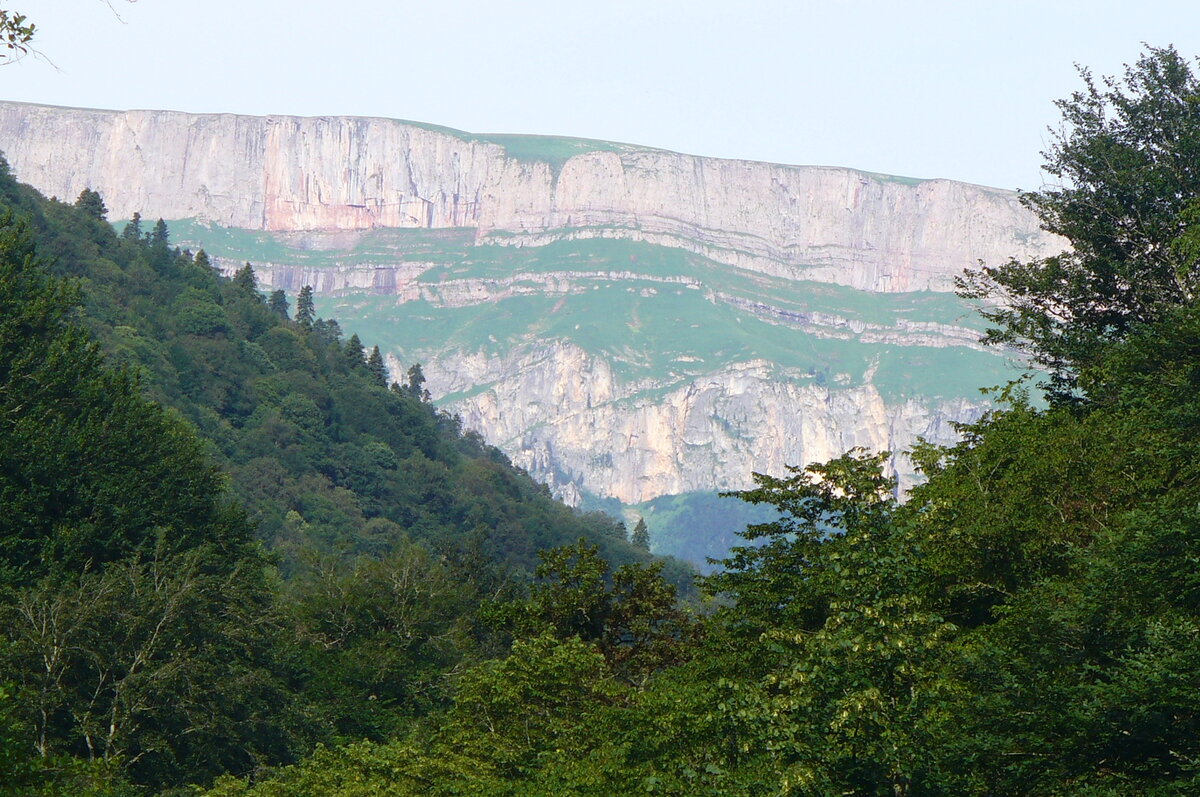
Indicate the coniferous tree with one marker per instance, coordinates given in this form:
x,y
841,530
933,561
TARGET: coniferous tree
x,y
160,235
641,535
355,354
416,383
92,203
377,367
306,311
278,304
245,279
171,658
133,230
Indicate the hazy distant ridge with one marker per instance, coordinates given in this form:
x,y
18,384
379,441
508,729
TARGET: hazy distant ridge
x,y
350,173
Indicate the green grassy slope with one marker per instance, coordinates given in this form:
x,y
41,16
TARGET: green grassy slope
x,y
654,312
661,317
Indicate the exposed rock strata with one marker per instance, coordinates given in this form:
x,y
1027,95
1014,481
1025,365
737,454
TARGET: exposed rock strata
x,y
563,416
559,411
290,173
402,281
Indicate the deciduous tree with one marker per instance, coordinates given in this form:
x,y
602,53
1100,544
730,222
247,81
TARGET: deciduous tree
x,y
1127,159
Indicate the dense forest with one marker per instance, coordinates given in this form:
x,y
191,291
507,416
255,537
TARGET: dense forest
x,y
234,562
224,537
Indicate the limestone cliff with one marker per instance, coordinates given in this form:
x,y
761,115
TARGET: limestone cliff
x,y
286,173
568,420
621,320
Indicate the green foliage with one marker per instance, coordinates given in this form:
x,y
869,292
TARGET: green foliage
x,y
631,614
355,354
542,695
75,434
133,230
305,310
17,759
160,236
1027,623
640,538
374,638
778,581
1127,157
92,203
150,664
367,769
244,278
148,642
278,304
377,368
416,383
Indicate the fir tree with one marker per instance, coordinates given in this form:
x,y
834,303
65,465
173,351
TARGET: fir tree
x,y
306,311
92,203
416,383
641,536
133,230
377,368
355,356
160,235
245,279
278,304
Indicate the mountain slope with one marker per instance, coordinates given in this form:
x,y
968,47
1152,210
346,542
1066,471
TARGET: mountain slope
x,y
623,322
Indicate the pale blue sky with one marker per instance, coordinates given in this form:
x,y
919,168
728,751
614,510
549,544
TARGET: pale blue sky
x,y
962,90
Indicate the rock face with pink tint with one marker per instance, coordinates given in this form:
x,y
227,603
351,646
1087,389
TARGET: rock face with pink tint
x,y
622,321
284,173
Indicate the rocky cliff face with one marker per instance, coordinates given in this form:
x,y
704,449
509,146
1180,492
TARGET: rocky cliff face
x,y
286,173
570,421
623,321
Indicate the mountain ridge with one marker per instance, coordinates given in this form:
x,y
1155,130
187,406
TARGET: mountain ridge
x,y
675,276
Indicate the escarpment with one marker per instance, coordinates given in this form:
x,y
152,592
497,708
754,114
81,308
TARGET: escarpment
x,y
623,321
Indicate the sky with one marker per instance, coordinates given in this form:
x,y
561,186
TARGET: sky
x,y
962,90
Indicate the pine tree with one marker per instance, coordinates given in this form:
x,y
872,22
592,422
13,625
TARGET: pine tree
x,y
416,383
641,536
278,304
202,259
306,311
377,368
160,234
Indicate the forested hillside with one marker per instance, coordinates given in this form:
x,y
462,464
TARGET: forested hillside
x,y
1027,622
224,537
318,449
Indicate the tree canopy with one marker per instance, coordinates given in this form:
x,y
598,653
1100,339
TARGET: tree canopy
x,y
1127,161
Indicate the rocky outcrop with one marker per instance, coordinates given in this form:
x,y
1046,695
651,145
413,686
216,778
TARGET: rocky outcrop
x,y
290,173
320,187
563,416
